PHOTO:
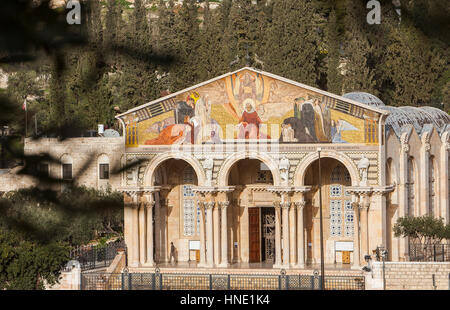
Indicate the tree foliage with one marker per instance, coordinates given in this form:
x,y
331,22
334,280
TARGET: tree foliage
x,y
320,43
424,229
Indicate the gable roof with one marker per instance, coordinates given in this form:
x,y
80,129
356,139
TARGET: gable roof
x,y
277,77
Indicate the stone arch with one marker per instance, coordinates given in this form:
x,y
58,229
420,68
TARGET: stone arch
x,y
66,158
158,160
299,175
222,178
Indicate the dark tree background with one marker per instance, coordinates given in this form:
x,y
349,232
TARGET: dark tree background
x,y
123,54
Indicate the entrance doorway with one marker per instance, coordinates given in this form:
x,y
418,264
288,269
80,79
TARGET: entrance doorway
x,y
254,235
261,235
268,234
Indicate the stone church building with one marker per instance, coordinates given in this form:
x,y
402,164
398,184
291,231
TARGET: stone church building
x,y
226,173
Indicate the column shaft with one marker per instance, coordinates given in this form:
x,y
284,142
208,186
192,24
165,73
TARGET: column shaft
x,y
364,230
135,244
356,238
300,235
202,234
292,236
209,235
216,233
277,263
142,231
150,260
224,234
285,229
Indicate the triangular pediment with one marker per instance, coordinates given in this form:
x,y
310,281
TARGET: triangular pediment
x,y
264,106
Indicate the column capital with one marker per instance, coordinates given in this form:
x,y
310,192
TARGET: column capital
x,y
364,206
209,204
223,204
285,205
300,204
276,204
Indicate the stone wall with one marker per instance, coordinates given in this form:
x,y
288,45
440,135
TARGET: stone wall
x,y
409,276
83,153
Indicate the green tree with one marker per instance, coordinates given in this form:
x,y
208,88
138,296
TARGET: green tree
x,y
138,79
26,265
184,72
411,66
210,47
292,48
334,77
423,229
358,74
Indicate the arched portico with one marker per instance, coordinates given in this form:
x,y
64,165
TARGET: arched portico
x,y
222,178
149,178
300,172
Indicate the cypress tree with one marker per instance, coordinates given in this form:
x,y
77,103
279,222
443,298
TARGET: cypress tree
x,y
358,76
292,47
138,83
241,30
334,78
184,72
166,41
210,46
412,67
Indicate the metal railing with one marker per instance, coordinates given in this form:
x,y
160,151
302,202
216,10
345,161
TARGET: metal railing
x,y
176,281
96,256
419,252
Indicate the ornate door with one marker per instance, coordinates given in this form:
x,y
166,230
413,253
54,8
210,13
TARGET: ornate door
x,y
254,235
268,234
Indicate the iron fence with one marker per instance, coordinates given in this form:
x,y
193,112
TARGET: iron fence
x,y
419,252
96,256
177,281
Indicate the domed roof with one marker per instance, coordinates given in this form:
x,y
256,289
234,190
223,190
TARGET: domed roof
x,y
365,98
400,116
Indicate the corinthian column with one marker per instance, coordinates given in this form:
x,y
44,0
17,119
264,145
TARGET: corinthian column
x,y
292,236
356,235
202,262
277,263
285,229
134,262
209,234
142,232
150,260
300,234
364,207
224,234
216,233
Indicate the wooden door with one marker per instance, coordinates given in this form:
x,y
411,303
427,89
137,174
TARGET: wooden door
x,y
254,235
197,255
346,257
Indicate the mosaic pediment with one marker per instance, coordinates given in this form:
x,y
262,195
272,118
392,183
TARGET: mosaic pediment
x,y
249,105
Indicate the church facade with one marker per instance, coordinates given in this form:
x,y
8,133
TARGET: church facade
x,y
226,173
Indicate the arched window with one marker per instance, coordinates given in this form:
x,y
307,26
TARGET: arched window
x,y
66,167
431,187
190,209
103,167
341,210
410,187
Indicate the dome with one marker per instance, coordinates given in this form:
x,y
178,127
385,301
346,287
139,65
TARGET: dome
x,y
400,116
365,98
